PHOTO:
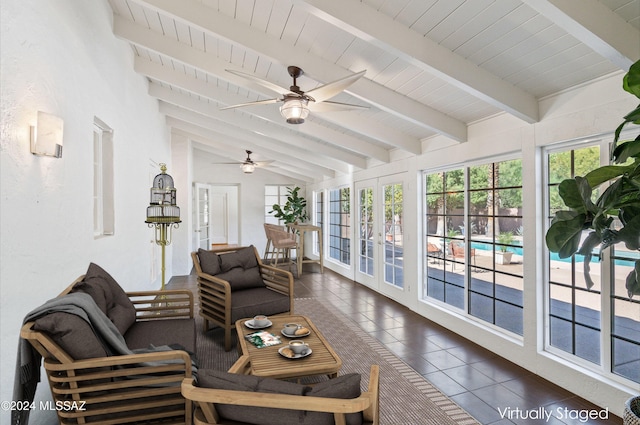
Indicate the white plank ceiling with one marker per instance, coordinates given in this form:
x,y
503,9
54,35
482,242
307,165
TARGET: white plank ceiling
x,y
432,68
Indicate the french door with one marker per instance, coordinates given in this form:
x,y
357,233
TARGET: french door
x,y
380,235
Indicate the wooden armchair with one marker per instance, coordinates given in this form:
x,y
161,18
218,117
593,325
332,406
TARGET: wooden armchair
x,y
136,388
233,283
205,400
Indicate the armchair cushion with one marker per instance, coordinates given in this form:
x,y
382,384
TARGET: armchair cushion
x,y
251,302
209,262
109,296
346,386
72,333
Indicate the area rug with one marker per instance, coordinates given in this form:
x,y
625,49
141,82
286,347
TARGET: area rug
x,y
406,398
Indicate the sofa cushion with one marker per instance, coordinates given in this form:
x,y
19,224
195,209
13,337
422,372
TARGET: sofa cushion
x,y
109,296
209,262
346,386
251,302
72,333
208,378
143,334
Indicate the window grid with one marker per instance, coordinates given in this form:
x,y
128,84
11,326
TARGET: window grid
x,y
103,187
365,226
586,319
339,227
574,328
473,215
318,218
274,194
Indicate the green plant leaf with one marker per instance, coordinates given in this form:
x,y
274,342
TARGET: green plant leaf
x,y
605,173
626,150
590,243
563,236
631,80
630,234
575,193
633,281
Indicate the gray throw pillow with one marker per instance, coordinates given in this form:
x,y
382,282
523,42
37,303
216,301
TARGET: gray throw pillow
x,y
244,258
345,386
209,262
72,333
106,292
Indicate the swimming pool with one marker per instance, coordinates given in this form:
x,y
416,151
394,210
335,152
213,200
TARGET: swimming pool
x,y
483,246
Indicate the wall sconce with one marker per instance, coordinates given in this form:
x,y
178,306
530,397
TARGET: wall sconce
x,y
46,135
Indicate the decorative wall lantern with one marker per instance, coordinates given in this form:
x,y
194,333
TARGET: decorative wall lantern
x,y
46,135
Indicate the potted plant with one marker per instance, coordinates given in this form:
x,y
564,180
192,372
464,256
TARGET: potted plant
x,y
614,218
294,210
503,256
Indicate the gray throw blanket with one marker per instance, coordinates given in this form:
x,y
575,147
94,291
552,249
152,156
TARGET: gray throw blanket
x,y
28,362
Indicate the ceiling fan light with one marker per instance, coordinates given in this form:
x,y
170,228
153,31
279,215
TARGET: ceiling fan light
x,y
295,110
248,167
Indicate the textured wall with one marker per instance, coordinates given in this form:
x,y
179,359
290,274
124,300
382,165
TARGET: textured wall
x,y
61,57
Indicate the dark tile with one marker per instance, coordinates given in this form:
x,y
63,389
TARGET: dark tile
x,y
445,384
536,390
500,370
484,413
468,377
442,359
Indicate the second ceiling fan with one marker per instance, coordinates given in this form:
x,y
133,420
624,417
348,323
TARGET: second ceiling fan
x,y
295,107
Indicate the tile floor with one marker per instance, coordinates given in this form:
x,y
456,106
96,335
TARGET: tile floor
x,y
476,379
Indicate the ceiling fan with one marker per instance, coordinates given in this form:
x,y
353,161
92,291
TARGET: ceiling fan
x,y
295,107
249,165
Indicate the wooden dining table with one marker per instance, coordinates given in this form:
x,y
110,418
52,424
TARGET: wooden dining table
x,y
302,229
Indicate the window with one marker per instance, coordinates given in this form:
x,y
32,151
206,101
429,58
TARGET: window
x,y
339,225
318,197
273,194
393,245
601,326
103,191
365,227
474,241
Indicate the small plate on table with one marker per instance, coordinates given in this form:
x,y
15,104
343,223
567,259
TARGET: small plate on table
x,y
295,356
294,335
250,325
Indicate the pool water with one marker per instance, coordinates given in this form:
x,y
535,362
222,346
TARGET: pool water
x,y
483,246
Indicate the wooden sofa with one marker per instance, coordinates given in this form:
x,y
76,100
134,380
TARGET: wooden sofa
x,y
212,403
234,283
98,388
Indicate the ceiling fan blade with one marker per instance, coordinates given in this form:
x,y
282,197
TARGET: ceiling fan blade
x,y
257,102
262,163
327,91
329,106
264,83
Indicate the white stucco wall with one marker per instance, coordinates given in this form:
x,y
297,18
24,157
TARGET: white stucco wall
x,y
61,57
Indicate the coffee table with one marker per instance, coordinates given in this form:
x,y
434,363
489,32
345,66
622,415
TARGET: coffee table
x,y
268,362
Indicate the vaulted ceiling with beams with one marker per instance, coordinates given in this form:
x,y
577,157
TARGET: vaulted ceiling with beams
x,y
432,68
